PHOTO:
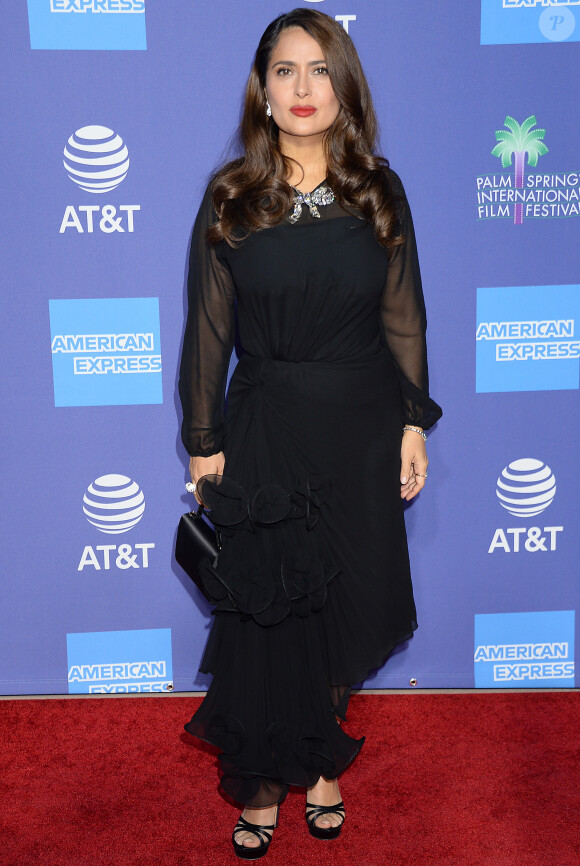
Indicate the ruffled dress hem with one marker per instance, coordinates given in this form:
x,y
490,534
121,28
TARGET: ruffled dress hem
x,y
294,756
242,786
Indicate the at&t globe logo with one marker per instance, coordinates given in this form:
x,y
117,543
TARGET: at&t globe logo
x,y
96,159
114,504
526,487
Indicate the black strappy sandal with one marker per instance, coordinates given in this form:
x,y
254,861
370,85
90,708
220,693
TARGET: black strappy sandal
x,y
315,812
263,832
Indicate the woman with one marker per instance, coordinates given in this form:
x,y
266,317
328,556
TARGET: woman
x,y
309,236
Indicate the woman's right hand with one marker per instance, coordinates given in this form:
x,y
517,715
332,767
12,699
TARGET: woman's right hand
x,y
200,466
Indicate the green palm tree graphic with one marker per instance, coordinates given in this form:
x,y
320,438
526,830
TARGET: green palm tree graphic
x,y
519,141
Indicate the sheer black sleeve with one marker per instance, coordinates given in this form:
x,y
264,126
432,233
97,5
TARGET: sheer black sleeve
x,y
404,321
208,342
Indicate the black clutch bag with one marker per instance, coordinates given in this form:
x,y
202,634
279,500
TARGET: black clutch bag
x,y
195,541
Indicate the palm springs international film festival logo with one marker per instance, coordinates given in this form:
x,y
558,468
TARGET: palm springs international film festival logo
x,y
509,22
87,25
517,196
114,504
525,489
96,159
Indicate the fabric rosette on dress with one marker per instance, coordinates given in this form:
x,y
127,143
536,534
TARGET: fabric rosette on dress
x,y
286,575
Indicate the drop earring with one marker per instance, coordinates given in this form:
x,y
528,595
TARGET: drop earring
x,y
268,109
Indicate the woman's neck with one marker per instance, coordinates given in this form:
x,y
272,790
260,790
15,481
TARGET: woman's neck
x,y
309,168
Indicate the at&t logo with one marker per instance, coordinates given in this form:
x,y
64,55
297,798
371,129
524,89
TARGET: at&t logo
x,y
96,159
114,504
342,19
525,489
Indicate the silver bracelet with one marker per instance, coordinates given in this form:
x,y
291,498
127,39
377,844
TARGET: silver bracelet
x,y
415,430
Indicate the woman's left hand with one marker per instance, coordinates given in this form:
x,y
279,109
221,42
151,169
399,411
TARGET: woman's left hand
x,y
413,464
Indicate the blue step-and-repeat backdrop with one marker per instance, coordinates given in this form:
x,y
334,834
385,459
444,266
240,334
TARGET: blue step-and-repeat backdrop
x,y
114,114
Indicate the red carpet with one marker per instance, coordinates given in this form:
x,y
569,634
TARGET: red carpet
x,y
465,780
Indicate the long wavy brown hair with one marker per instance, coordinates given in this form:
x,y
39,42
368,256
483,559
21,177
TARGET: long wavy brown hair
x,y
252,193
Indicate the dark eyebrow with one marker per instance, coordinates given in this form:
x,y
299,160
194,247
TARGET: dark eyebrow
x,y
292,63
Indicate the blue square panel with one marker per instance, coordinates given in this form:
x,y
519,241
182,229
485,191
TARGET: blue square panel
x,y
527,338
511,22
109,25
105,351
524,650
120,662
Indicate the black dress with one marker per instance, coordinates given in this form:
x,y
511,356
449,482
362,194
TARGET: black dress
x,y
312,586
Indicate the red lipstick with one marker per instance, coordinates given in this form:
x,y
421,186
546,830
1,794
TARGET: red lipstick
x,y
303,110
